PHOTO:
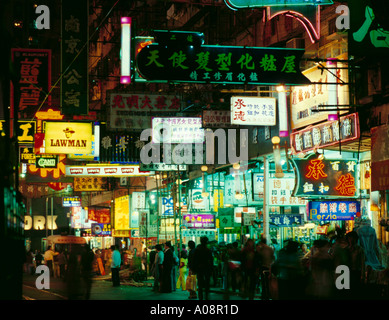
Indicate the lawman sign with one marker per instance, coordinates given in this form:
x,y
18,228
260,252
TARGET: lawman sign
x,y
68,138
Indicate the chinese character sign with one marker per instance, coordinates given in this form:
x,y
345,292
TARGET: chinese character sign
x,y
285,220
184,62
253,111
202,221
322,177
32,83
122,213
333,210
74,52
280,193
177,130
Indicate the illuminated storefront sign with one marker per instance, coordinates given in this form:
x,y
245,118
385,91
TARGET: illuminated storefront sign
x,y
148,224
333,210
285,220
122,213
71,201
39,222
106,171
100,215
25,131
27,155
197,201
177,130
217,119
253,111
280,193
162,167
35,174
184,60
326,134
101,230
199,221
210,234
46,161
90,184
68,137
316,177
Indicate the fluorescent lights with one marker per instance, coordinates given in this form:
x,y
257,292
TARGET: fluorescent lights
x,y
125,76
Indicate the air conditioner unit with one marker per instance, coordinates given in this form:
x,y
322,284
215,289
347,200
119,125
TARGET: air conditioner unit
x,y
296,43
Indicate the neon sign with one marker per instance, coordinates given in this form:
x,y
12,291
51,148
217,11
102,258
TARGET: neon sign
x,y
316,169
333,210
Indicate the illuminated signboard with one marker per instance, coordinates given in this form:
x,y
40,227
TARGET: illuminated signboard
x,y
239,4
106,171
177,130
199,221
101,230
27,155
285,220
184,60
46,161
217,119
316,177
122,213
280,193
253,111
71,201
333,210
25,131
326,134
100,215
68,137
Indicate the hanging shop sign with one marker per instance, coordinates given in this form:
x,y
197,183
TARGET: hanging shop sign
x,y
304,100
148,224
258,186
106,171
71,201
101,230
197,201
31,190
90,184
94,155
35,174
177,130
74,54
68,137
33,81
79,218
166,205
239,211
286,220
253,111
281,193
162,167
124,105
46,161
316,177
100,215
217,119
326,134
210,234
238,191
122,213
27,155
138,200
121,233
199,221
184,60
333,210
380,158
25,131
36,222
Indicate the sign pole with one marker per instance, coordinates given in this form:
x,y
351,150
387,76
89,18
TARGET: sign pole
x,y
266,218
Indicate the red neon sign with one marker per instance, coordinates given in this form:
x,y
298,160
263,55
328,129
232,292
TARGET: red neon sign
x,y
346,185
316,169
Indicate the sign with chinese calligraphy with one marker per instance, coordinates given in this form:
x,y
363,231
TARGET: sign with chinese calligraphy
x,y
138,200
217,119
25,131
100,215
280,193
106,171
122,213
258,183
68,137
326,134
199,221
74,53
210,234
101,230
177,130
71,201
32,83
190,62
148,224
253,111
162,167
90,184
332,177
305,99
285,220
333,210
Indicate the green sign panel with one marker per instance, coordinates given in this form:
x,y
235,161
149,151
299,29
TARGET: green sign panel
x,y
181,58
240,4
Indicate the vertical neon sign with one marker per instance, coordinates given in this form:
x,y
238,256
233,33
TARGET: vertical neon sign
x,y
125,75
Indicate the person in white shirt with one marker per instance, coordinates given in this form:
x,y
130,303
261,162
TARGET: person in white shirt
x,y
115,266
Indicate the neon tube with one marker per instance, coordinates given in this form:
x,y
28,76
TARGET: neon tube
x,y
125,75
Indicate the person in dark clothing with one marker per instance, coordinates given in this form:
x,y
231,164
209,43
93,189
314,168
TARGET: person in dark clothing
x,y
38,258
202,265
86,269
250,268
167,264
191,273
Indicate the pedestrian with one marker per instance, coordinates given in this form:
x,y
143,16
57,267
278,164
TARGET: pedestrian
x,y
357,265
266,259
250,269
49,259
115,265
191,273
168,262
181,282
62,264
144,260
87,258
176,262
158,268
152,254
38,258
202,265
29,266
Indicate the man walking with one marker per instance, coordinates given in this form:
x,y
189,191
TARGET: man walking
x,y
115,266
49,259
203,264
